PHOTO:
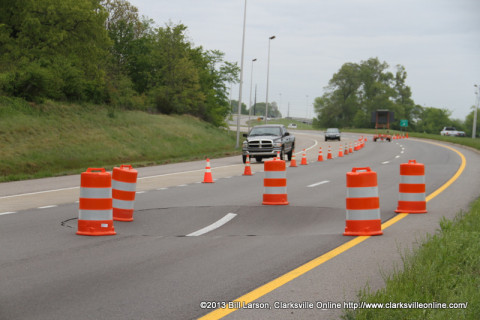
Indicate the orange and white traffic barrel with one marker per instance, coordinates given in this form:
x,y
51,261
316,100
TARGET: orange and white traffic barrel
x,y
275,183
362,203
124,186
95,217
412,188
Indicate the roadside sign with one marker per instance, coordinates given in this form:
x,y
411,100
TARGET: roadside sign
x,y
403,123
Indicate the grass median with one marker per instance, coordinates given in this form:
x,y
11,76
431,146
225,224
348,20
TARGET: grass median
x,y
56,139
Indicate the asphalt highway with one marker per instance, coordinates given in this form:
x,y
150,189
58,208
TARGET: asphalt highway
x,y
195,246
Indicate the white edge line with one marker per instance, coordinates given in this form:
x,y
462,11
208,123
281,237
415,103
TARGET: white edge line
x,y
213,226
47,207
8,212
318,183
39,192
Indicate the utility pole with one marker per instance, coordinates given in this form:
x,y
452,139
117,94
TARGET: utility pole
x,y
268,77
241,78
474,129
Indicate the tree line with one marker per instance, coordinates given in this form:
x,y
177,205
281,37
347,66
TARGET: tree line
x,y
257,109
358,89
105,52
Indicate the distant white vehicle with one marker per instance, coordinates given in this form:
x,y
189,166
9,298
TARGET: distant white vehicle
x,y
452,132
292,126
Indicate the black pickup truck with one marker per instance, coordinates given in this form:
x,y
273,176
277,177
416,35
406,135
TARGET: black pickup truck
x,y
265,141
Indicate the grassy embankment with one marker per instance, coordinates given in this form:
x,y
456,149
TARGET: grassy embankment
x,y
57,139
445,268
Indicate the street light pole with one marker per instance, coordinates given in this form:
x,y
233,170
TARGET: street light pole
x,y
241,77
268,77
250,101
477,103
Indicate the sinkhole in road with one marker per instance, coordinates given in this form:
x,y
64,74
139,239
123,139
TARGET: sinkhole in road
x,y
248,221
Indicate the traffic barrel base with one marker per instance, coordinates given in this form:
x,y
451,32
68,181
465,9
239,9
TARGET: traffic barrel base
x,y
363,228
96,228
275,183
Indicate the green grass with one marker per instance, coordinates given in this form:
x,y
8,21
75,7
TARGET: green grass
x,y
57,139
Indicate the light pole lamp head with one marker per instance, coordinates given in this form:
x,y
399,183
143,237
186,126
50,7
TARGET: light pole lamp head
x,y
254,59
272,37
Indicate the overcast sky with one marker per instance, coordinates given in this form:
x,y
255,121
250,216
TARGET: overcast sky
x,y
437,41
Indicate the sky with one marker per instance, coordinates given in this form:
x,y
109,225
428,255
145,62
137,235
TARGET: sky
x,y
437,41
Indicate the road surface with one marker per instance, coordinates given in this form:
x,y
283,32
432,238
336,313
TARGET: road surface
x,y
177,257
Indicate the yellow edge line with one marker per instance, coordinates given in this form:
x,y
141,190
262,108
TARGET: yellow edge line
x,y
295,273
455,176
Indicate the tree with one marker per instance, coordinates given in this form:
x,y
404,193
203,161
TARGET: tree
x,y
53,49
432,120
184,79
214,76
403,97
357,90
375,91
101,51
234,110
273,111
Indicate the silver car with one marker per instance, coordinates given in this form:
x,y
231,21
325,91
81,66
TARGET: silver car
x,y
332,134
